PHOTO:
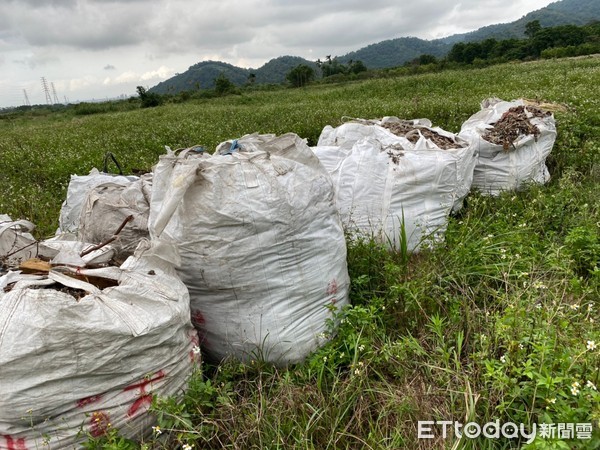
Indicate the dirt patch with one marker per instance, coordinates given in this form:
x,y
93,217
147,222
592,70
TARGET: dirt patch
x,y
513,124
395,152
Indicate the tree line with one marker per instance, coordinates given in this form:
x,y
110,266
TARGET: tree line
x,y
551,42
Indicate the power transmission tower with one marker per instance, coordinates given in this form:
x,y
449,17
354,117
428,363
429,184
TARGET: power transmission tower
x,y
26,98
54,92
46,91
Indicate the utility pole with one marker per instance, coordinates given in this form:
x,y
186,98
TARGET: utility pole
x,y
46,91
56,100
27,103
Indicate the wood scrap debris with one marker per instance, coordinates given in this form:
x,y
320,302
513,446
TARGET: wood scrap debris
x,y
407,129
515,123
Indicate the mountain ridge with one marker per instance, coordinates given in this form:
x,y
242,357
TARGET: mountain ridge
x,y
384,54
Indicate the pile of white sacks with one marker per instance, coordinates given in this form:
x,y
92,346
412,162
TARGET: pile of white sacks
x,y
400,189
85,342
241,253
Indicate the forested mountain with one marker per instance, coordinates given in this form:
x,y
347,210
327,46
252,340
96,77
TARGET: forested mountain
x,y
565,12
275,70
395,52
388,53
203,74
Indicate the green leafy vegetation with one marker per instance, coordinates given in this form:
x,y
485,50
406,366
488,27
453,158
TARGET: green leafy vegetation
x,y
500,322
565,12
301,75
579,40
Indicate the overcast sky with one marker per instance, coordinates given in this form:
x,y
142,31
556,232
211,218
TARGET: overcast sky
x,y
98,49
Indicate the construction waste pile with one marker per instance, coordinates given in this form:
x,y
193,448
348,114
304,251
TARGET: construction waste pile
x,y
396,180
236,254
84,343
513,140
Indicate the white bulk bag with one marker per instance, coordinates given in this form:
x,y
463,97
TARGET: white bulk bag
x,y
383,188
348,134
17,244
383,180
105,208
263,251
524,163
77,192
76,360
331,157
16,241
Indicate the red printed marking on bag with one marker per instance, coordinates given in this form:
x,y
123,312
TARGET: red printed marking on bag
x,y
332,287
145,399
88,400
99,423
198,318
12,444
198,321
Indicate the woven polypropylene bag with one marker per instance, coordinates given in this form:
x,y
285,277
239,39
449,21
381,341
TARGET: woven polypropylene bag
x,y
500,169
263,251
77,359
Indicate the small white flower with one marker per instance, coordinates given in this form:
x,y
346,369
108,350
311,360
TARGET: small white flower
x,y
590,385
356,372
551,400
187,447
503,359
574,390
521,346
324,358
196,350
591,345
361,348
157,431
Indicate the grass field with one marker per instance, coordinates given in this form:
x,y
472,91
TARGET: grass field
x,y
498,323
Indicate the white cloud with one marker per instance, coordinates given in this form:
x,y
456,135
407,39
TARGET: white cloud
x,y
130,76
161,73
77,84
